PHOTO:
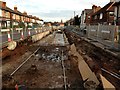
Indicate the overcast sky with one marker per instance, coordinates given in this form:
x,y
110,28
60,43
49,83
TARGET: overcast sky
x,y
54,10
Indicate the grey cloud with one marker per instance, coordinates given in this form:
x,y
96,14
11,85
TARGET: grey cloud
x,y
54,14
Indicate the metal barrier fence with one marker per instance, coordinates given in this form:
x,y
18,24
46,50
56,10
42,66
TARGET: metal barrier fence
x,y
16,34
105,34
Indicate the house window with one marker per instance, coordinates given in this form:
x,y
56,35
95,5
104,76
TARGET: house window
x,y
17,17
7,15
101,15
14,16
111,13
8,23
88,17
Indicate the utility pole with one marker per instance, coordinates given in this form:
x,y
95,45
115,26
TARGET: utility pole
x,y
74,19
74,13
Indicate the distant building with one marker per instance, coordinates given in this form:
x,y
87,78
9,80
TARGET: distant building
x,y
62,24
83,17
88,17
48,24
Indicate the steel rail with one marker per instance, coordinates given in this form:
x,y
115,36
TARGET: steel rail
x,y
23,62
112,74
64,73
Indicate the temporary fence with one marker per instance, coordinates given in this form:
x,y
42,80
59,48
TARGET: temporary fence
x,y
17,34
105,34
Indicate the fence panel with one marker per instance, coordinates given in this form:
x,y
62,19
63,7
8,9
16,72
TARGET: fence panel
x,y
92,32
117,37
104,34
3,39
107,34
16,35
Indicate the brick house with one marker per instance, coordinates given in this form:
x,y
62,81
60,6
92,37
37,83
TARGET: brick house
x,y
88,17
83,17
5,15
117,12
17,18
27,19
105,15
12,18
71,21
62,24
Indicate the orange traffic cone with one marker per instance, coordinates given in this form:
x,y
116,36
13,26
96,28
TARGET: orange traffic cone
x,y
22,35
9,37
29,32
16,87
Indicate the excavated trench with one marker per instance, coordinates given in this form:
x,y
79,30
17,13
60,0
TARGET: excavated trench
x,y
45,70
96,57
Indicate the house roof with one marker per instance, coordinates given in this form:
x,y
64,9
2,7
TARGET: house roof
x,y
106,8
9,10
16,12
87,11
117,3
5,8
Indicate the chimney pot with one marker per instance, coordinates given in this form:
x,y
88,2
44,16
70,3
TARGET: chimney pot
x,y
94,8
25,13
4,4
15,8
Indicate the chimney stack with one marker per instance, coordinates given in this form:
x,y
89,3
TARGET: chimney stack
x,y
112,0
4,4
25,13
15,8
94,8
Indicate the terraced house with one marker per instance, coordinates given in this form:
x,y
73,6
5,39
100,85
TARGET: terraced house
x,y
15,19
88,16
15,26
117,12
105,15
5,15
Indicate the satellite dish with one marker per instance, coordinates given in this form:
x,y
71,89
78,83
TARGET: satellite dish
x,y
12,45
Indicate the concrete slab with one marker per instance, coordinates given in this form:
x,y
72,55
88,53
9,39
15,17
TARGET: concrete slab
x,y
59,40
84,69
106,84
